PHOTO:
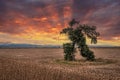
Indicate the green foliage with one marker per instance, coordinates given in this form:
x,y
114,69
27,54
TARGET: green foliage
x,y
69,51
71,23
85,52
77,36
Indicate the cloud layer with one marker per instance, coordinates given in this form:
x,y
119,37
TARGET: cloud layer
x,y
40,19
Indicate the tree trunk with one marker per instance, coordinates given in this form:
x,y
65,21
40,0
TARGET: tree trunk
x,y
73,54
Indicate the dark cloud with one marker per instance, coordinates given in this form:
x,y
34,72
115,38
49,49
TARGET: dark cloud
x,y
19,15
103,13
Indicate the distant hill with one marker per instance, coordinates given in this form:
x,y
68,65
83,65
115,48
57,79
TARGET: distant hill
x,y
11,45
103,46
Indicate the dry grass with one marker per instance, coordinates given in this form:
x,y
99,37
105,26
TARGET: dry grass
x,y
47,64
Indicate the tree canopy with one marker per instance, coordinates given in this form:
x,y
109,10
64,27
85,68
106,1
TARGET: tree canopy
x,y
77,34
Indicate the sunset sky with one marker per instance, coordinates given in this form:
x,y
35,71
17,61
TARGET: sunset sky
x,y
40,21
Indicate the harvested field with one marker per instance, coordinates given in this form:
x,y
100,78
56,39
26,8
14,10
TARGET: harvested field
x,y
48,64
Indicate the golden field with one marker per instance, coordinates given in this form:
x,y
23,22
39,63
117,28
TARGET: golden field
x,y
48,64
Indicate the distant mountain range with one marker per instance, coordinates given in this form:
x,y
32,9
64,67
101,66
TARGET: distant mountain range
x,y
13,45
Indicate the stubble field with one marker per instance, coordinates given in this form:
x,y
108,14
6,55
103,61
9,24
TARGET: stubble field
x,y
48,64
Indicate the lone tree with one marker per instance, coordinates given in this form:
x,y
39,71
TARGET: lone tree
x,y
77,34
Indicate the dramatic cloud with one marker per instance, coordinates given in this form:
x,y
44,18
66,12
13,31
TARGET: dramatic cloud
x,y
43,19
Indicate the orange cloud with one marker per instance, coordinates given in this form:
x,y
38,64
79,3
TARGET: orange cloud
x,y
42,20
